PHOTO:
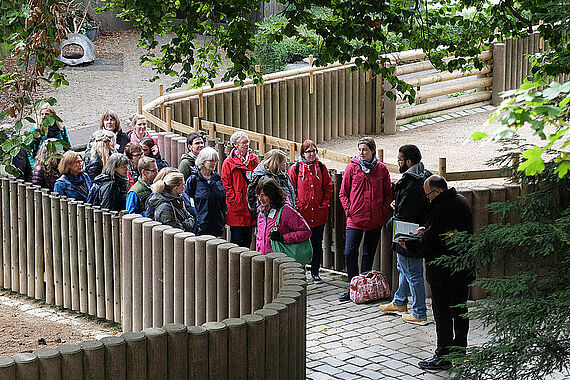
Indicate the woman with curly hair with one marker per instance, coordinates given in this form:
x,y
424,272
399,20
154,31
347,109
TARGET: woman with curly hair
x,y
103,146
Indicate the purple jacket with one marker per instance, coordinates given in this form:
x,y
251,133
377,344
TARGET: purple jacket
x,y
292,226
365,197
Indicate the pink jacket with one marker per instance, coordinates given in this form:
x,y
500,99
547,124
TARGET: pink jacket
x,y
365,197
292,226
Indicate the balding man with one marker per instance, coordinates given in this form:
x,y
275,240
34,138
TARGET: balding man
x,y
448,211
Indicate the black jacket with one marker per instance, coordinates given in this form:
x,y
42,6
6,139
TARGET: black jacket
x,y
94,167
447,212
122,140
21,162
410,201
108,192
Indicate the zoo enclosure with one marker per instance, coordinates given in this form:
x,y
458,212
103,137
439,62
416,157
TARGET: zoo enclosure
x,y
246,310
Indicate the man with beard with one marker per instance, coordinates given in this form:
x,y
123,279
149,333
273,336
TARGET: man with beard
x,y
410,204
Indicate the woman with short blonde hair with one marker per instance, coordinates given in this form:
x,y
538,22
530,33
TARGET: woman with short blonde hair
x,y
274,165
168,203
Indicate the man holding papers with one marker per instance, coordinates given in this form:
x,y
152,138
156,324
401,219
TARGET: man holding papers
x,y
410,204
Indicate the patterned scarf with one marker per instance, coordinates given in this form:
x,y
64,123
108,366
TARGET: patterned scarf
x,y
245,160
366,166
309,163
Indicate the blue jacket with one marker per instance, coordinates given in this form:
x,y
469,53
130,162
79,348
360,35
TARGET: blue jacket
x,y
76,187
209,197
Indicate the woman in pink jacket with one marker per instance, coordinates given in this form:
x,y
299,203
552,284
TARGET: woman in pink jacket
x,y
292,227
365,194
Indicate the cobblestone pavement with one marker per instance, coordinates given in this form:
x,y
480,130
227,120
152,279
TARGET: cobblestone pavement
x,y
350,341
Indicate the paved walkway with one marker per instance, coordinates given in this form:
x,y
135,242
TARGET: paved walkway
x,y
349,341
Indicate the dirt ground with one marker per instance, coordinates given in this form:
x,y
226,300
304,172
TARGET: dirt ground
x,y
115,82
26,325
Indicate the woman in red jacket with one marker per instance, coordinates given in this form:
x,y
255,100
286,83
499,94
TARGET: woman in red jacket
x,y
313,189
365,194
236,175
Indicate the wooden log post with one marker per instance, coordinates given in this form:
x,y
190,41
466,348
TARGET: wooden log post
x,y
27,366
339,224
93,359
499,53
268,293
39,246
99,262
73,255
29,241
222,269
442,169
271,318
147,276
189,281
136,355
116,228
82,257
200,277
65,256
140,105
168,269
211,275
108,265
14,238
91,270
257,282
49,363
71,361
245,281
6,236
255,345
276,272
177,335
292,335
198,352
389,108
156,353
57,249
7,368
158,275
234,281
237,348
115,357
131,242
283,341
217,350
179,275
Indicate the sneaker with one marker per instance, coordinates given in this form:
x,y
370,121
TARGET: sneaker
x,y
344,297
435,364
411,319
317,279
391,308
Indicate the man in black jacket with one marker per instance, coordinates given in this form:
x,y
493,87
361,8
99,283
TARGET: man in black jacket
x,y
410,205
448,212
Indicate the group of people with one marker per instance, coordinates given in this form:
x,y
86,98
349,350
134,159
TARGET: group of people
x,y
287,204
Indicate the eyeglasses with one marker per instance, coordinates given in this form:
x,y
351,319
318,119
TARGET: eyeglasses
x,y
310,151
152,170
136,155
427,194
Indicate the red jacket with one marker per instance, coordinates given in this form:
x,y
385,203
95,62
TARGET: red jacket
x,y
313,188
365,197
234,174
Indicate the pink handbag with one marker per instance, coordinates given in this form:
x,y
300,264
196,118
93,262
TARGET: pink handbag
x,y
369,286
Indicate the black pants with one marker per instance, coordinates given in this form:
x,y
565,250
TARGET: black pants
x,y
317,244
451,327
241,236
353,240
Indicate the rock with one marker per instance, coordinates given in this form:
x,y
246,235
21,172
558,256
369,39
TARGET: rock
x,y
84,42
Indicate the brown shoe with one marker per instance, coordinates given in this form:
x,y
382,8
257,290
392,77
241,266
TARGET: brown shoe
x,y
390,308
411,319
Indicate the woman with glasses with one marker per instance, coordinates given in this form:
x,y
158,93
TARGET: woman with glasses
x,y
74,182
237,172
208,195
313,191
274,165
365,194
134,152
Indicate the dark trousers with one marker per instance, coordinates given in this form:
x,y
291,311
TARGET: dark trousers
x,y
317,243
353,239
241,236
451,327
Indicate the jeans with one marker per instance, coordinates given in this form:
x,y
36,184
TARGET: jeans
x,y
317,243
241,236
411,280
450,324
353,239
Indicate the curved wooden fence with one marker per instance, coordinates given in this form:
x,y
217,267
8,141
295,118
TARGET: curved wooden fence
x,y
247,311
